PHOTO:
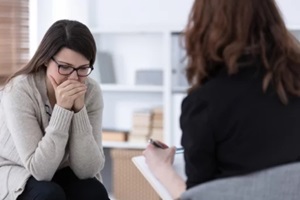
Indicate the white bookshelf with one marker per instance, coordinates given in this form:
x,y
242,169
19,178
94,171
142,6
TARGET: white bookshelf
x,y
131,89
124,145
136,29
132,49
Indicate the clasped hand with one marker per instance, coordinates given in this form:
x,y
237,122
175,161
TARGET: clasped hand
x,y
69,94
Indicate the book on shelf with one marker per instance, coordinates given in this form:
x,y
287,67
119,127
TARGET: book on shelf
x,y
157,134
157,123
106,67
158,116
142,115
141,121
114,135
158,110
138,138
149,77
140,130
147,123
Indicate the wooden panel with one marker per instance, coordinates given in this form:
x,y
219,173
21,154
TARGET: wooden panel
x,y
14,35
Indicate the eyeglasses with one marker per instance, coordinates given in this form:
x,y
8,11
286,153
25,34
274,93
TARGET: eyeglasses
x,y
68,70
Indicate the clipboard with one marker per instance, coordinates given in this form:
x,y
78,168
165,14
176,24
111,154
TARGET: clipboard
x,y
178,165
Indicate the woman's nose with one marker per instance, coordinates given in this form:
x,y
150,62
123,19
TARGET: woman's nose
x,y
73,76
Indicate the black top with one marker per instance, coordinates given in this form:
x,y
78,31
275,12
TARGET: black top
x,y
230,127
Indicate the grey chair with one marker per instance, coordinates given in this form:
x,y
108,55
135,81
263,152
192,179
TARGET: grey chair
x,y
277,183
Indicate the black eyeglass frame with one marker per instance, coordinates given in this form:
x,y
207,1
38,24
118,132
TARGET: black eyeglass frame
x,y
73,69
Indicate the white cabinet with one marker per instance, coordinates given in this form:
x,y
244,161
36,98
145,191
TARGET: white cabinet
x,y
136,36
124,54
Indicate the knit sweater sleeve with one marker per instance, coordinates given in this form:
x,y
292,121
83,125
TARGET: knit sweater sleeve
x,y
86,151
40,151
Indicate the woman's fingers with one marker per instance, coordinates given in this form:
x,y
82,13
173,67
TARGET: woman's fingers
x,y
68,92
69,84
72,94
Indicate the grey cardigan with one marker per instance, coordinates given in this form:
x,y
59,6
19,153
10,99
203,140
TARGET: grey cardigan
x,y
37,141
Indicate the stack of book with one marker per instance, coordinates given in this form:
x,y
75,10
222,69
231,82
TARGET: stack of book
x,y
157,124
113,135
141,126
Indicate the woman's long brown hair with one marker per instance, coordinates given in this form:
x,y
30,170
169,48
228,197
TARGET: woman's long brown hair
x,y
219,31
62,33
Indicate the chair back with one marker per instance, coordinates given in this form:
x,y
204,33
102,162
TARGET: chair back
x,y
277,183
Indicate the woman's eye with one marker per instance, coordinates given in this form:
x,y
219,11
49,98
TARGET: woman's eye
x,y
83,69
65,67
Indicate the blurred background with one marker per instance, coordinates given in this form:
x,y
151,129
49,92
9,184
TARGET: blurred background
x,y
140,68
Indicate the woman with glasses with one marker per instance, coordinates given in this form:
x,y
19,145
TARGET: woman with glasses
x,y
50,121
242,111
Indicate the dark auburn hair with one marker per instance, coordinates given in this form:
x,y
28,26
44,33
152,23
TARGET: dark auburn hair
x,y
220,31
63,33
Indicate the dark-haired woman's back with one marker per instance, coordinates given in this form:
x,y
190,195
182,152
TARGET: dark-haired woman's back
x,y
231,127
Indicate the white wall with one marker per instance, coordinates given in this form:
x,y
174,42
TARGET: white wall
x,y
107,13
44,13
290,12
132,13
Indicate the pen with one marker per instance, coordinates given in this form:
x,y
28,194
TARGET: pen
x,y
163,146
157,144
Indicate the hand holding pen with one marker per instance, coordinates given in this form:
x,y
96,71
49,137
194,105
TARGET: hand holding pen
x,y
159,157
